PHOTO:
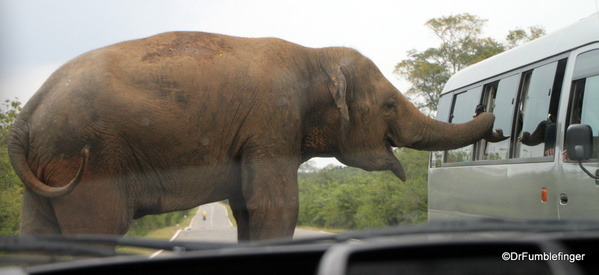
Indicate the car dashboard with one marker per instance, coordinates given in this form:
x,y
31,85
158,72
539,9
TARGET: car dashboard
x,y
455,253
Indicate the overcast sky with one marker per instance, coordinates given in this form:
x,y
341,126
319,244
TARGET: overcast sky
x,y
37,36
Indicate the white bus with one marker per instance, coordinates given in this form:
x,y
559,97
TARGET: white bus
x,y
538,92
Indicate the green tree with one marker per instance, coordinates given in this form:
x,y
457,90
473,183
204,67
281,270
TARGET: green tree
x,y
461,46
518,37
9,110
141,227
351,198
11,189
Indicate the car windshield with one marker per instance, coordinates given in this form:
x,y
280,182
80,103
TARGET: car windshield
x,y
224,121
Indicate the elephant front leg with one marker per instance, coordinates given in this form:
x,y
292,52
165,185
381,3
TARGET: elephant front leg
x,y
271,194
242,217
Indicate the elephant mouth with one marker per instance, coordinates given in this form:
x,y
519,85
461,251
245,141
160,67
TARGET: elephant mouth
x,y
390,143
377,160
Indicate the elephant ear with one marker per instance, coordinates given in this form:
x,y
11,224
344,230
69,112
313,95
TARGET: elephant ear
x,y
338,91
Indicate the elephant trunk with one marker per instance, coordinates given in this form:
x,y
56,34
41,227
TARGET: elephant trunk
x,y
436,135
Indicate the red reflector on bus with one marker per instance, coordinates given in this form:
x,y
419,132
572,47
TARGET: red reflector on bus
x,y
543,194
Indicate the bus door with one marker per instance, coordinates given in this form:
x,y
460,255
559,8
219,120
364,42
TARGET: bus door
x,y
578,194
531,172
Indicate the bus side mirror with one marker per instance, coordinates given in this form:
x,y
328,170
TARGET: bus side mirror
x,y
579,142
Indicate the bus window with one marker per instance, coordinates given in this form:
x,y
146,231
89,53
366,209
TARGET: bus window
x,y
443,112
585,94
537,111
462,111
589,114
489,98
499,97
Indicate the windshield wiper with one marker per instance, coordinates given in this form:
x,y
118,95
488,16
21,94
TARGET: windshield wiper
x,y
80,245
176,246
54,248
451,226
36,244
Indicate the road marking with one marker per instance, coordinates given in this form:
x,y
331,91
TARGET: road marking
x,y
160,251
194,217
156,253
227,214
211,216
177,233
174,236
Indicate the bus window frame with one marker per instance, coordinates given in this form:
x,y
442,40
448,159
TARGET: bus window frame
x,y
566,82
573,96
477,90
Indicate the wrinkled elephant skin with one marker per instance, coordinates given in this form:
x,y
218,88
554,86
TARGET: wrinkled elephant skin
x,y
181,119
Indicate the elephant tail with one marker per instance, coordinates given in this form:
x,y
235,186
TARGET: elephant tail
x,y
17,153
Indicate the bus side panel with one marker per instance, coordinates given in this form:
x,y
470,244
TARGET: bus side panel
x,y
578,193
467,192
485,191
524,189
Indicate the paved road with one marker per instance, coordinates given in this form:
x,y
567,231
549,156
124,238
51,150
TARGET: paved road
x,y
218,228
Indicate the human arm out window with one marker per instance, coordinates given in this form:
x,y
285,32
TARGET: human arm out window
x,y
537,111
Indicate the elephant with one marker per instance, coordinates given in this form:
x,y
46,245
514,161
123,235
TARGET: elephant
x,y
179,119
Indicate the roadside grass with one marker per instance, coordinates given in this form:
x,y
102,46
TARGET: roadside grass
x,y
328,230
232,219
229,213
165,233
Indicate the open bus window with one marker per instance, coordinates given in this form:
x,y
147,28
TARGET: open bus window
x,y
499,97
589,114
585,94
443,114
537,111
462,110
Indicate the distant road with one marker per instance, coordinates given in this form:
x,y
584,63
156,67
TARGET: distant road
x,y
218,228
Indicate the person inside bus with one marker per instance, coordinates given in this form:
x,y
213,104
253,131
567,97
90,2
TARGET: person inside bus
x,y
544,133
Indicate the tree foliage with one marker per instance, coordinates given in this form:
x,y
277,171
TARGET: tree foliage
x,y
351,198
11,189
141,227
9,110
461,46
518,37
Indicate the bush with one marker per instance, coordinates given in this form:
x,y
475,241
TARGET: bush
x,y
141,227
11,189
350,198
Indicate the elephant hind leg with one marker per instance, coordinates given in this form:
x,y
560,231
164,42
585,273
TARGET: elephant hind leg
x,y
37,215
242,217
94,208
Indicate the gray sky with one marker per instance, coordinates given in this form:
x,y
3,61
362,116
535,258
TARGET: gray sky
x,y
37,36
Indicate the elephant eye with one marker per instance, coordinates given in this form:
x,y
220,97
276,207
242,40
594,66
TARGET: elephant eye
x,y
390,105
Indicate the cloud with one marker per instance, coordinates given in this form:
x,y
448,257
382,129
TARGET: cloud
x,y
23,82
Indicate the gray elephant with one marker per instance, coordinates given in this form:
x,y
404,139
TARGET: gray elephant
x,y
181,119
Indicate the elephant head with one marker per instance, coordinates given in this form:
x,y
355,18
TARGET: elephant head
x,y
374,117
